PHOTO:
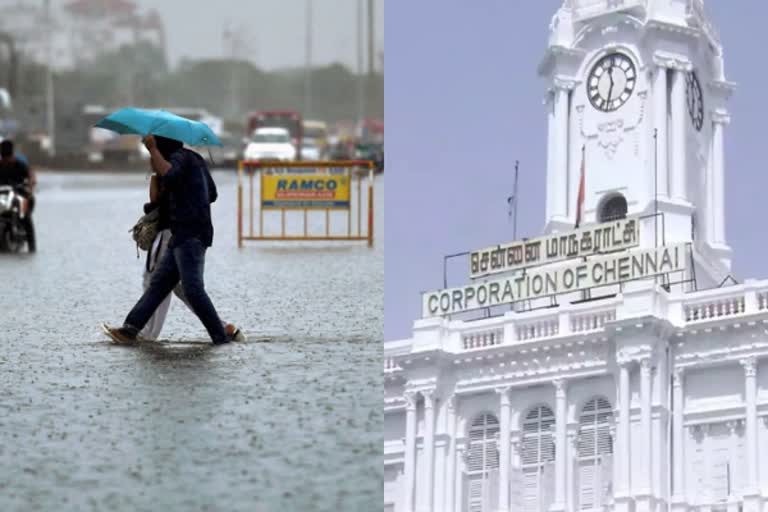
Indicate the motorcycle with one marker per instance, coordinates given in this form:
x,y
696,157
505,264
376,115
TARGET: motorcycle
x,y
13,211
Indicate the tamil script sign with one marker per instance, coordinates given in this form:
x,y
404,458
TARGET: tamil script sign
x,y
568,277
305,191
599,239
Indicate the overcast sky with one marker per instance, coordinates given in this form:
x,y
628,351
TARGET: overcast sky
x,y
273,29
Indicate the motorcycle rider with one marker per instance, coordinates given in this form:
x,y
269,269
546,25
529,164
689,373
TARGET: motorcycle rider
x,y
16,173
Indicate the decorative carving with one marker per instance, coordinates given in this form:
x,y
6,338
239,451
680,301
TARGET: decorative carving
x,y
610,136
674,62
750,366
564,84
559,388
410,400
699,432
633,353
429,398
503,393
721,117
645,367
451,403
677,377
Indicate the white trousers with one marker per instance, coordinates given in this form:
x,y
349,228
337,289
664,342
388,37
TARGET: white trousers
x,y
155,324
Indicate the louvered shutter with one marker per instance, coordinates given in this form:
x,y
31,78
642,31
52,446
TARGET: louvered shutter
x,y
594,446
517,488
587,485
531,491
719,438
475,495
482,463
537,454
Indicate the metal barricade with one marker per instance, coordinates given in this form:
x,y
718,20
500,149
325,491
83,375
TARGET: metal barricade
x,y
305,186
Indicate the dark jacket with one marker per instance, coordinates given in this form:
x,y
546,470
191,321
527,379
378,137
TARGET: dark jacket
x,y
190,191
13,172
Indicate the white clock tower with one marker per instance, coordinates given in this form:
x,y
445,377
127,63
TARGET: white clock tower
x,y
644,397
638,91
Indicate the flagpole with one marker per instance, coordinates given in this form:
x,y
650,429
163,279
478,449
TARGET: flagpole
x,y
580,192
656,187
514,198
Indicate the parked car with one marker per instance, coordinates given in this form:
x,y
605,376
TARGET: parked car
x,y
373,152
310,149
270,144
229,152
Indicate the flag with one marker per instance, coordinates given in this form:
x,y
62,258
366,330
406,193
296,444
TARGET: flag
x,y
580,196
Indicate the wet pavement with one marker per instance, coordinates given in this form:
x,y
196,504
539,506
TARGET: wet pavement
x,y
292,424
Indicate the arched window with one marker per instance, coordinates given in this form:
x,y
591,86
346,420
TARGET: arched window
x,y
537,454
613,208
595,448
482,463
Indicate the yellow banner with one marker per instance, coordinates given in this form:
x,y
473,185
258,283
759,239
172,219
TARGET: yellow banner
x,y
305,191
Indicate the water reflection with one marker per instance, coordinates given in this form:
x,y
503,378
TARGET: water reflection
x,y
292,424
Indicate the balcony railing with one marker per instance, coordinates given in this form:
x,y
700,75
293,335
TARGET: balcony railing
x,y
482,339
585,9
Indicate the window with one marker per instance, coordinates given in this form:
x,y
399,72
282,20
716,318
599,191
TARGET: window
x,y
537,452
595,448
482,463
613,208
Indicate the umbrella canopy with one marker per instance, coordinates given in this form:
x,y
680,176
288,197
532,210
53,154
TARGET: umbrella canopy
x,y
159,122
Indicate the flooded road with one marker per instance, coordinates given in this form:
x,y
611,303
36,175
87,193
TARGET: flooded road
x,y
286,425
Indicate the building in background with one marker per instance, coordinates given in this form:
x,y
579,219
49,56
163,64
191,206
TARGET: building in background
x,y
554,381
81,29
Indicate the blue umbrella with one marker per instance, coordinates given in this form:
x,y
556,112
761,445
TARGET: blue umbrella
x,y
159,122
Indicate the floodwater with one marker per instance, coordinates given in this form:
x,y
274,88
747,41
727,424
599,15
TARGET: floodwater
x,y
290,424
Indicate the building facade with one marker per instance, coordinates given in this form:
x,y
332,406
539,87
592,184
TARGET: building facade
x,y
647,394
78,31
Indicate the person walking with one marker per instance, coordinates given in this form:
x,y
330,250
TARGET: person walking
x,y
158,199
191,190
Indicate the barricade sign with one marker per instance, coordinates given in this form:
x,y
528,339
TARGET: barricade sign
x,y
306,187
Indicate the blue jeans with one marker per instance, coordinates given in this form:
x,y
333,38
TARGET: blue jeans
x,y
184,262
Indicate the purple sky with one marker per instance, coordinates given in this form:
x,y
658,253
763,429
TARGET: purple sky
x,y
463,101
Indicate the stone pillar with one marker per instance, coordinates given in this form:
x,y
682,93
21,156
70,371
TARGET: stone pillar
x,y
645,420
560,152
623,484
733,458
678,442
409,468
719,121
504,448
706,436
678,151
561,449
752,483
660,119
642,449
459,484
570,472
429,449
450,473
552,176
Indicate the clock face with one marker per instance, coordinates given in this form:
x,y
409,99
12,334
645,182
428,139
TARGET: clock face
x,y
695,100
611,82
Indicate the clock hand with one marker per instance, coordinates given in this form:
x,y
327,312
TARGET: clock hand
x,y
610,89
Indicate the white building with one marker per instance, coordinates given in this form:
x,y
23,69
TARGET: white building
x,y
80,30
649,395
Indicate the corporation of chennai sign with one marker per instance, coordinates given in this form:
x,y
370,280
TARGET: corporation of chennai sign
x,y
567,277
598,239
